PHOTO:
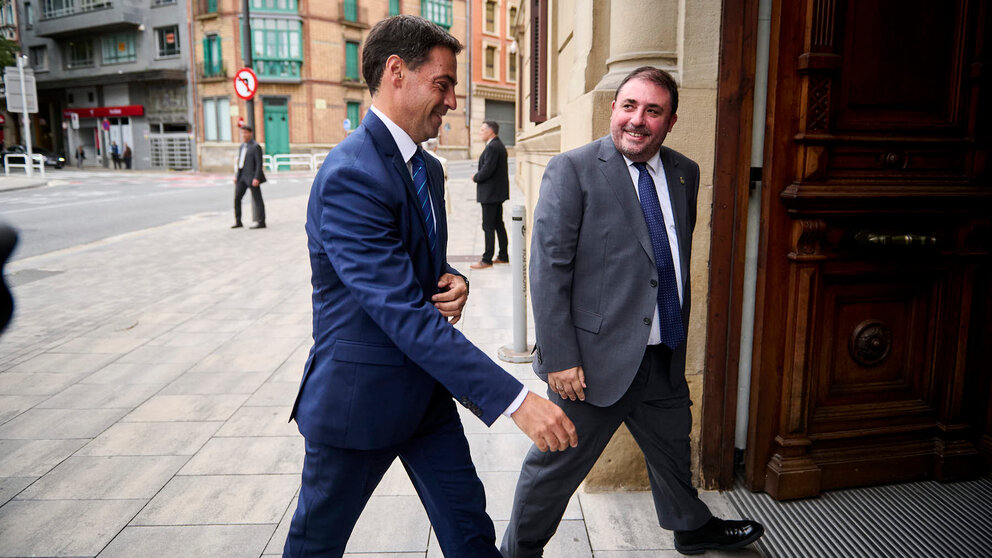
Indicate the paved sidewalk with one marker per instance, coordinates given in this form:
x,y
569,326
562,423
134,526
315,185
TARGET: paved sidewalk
x,y
17,181
146,381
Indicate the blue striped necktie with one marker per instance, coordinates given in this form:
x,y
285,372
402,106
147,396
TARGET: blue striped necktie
x,y
669,307
420,184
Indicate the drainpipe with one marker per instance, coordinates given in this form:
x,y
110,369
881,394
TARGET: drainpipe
x,y
247,56
193,95
470,51
753,222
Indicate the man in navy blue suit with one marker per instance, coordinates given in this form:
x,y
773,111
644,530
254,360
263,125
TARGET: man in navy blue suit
x,y
386,361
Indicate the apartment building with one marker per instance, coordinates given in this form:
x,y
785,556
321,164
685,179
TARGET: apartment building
x,y
112,71
307,56
494,56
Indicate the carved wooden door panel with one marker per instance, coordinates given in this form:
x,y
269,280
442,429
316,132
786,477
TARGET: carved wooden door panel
x,y
871,333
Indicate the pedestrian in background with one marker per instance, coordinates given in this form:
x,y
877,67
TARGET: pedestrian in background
x,y
115,154
127,156
386,360
80,155
250,176
492,189
609,275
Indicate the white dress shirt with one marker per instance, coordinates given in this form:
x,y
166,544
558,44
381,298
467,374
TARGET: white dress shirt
x,y
407,148
657,172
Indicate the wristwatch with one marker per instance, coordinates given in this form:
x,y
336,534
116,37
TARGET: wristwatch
x,y
466,284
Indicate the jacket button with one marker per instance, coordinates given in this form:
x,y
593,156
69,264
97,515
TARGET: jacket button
x,y
654,283
647,321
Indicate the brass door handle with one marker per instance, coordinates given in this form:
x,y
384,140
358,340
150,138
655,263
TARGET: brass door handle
x,y
903,240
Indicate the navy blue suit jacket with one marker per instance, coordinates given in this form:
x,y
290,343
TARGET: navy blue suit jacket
x,y
380,347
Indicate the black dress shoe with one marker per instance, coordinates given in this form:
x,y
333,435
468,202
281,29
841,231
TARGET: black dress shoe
x,y
718,534
236,226
257,226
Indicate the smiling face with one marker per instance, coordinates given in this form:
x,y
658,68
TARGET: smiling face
x,y
641,119
427,94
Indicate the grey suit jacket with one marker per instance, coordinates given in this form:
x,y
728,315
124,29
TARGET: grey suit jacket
x,y
592,271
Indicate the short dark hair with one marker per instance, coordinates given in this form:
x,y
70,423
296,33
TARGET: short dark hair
x,y
407,36
247,128
493,125
659,77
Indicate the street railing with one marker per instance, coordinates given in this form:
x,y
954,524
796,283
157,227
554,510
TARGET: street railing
x,y
36,161
291,161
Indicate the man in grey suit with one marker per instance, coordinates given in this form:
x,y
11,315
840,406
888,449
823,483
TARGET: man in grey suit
x,y
609,272
249,176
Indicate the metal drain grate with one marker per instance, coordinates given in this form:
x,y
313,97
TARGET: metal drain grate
x,y
922,519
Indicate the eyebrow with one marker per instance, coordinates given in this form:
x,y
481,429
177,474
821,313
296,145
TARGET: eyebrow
x,y
449,78
649,105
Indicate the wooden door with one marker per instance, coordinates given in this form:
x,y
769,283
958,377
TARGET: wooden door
x,y
871,357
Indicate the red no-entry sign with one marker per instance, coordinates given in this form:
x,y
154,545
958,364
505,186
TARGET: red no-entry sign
x,y
245,83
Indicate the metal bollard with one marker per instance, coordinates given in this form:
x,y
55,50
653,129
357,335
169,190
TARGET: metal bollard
x,y
519,351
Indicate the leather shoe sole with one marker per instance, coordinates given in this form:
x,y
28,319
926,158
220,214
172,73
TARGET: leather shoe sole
x,y
719,535
258,226
237,226
481,265
498,261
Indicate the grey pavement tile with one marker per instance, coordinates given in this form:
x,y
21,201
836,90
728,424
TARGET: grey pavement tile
x,y
131,327
275,394
278,540
395,482
500,489
191,339
212,324
105,478
151,438
260,421
100,396
158,354
203,383
121,373
220,499
36,383
59,424
11,486
498,452
62,527
569,541
192,408
409,528
245,362
13,405
119,344
33,458
291,370
623,521
190,541
472,425
61,363
248,456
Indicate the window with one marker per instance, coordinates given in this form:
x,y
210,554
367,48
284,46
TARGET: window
x,y
438,11
39,57
489,69
490,16
168,40
354,118
162,2
394,7
351,10
511,67
351,61
273,5
58,8
78,54
119,48
28,15
512,20
213,65
277,47
216,119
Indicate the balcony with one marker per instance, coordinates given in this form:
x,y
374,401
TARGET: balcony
x,y
277,69
66,18
211,72
206,9
351,15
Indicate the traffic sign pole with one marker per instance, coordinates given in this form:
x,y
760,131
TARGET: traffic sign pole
x,y
247,55
25,116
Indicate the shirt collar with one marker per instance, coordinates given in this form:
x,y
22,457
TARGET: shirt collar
x,y
654,163
403,140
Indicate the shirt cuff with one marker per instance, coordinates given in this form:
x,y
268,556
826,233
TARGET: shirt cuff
x,y
516,402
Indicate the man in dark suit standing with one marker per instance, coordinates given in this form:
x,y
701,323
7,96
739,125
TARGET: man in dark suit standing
x,y
609,272
250,176
386,361
492,189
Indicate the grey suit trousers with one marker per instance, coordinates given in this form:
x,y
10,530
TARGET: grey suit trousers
x,y
657,414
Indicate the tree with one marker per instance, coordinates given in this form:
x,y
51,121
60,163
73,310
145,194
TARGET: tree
x,y
8,52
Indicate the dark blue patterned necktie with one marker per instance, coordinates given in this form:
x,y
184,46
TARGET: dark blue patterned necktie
x,y
669,307
420,184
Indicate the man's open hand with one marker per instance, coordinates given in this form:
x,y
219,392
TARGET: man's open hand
x,y
546,424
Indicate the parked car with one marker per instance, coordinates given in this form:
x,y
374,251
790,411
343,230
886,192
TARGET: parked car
x,y
51,159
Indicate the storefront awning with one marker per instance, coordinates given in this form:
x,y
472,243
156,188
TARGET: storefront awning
x,y
101,112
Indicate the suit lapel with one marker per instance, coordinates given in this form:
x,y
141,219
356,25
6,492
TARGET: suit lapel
x,y
614,168
675,177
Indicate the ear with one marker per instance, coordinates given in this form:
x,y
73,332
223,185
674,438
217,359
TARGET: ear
x,y
671,124
395,69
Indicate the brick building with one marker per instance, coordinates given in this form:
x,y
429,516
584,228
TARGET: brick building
x,y
494,69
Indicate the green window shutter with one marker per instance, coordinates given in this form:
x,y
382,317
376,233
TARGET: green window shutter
x,y
351,10
353,116
394,7
211,6
351,61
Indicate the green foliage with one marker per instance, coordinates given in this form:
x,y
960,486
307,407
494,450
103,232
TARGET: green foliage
x,y
8,52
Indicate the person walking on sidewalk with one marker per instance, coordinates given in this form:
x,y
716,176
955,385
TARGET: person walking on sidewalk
x,y
609,274
115,155
250,176
127,156
386,361
80,155
492,189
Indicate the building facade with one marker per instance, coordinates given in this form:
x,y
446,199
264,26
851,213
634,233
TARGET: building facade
x,y
493,63
112,71
307,56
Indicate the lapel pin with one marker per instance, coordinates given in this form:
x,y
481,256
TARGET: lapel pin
x,y
681,180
